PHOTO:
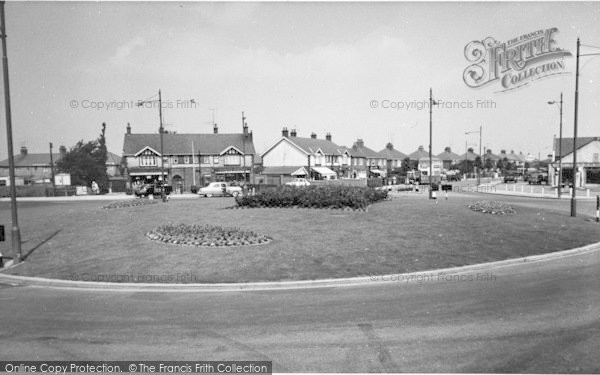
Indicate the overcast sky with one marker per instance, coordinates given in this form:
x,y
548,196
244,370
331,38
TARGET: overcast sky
x,y
315,67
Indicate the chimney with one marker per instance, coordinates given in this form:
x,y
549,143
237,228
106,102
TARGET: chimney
x,y
23,151
313,135
215,129
328,136
63,151
470,150
448,149
359,143
293,133
503,152
284,132
389,146
489,151
245,130
421,148
128,128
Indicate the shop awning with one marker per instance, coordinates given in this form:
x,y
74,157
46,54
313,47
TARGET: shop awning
x,y
324,171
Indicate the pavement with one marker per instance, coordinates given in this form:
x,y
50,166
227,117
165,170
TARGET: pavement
x,y
532,317
102,197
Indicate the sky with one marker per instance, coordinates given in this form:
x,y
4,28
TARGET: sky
x,y
316,67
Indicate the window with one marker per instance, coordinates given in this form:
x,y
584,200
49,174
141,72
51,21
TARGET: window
x,y
596,158
205,159
215,159
196,158
232,157
186,160
175,160
147,159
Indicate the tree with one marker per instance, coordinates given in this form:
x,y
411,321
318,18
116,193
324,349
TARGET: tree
x,y
86,162
489,164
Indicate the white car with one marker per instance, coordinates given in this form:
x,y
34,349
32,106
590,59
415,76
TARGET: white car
x,y
298,182
220,189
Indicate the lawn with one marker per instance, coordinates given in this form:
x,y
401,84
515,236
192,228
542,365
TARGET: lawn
x,y
83,241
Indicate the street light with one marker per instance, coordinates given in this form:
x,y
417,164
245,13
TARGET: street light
x,y
15,231
560,104
431,103
478,168
160,131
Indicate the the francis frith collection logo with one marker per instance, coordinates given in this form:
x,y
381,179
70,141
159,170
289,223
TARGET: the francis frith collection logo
x,y
514,63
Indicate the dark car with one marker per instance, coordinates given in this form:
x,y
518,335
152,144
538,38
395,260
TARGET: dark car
x,y
510,178
154,189
538,178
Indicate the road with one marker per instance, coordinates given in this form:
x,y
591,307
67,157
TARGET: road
x,y
532,317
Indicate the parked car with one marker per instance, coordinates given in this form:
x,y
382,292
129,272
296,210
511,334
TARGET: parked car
x,y
510,178
154,189
298,182
223,189
538,178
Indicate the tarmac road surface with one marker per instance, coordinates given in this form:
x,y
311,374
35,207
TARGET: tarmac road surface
x,y
534,317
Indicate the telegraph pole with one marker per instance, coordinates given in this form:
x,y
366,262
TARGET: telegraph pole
x,y
52,171
244,145
574,192
430,142
15,231
162,157
480,160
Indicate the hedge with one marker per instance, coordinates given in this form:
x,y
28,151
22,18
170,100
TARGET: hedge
x,y
314,197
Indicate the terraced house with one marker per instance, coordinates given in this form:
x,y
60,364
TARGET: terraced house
x,y
189,159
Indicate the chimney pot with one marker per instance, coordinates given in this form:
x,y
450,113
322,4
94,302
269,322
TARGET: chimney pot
x,y
313,135
284,132
389,146
128,128
328,136
360,143
293,133
448,149
23,151
215,129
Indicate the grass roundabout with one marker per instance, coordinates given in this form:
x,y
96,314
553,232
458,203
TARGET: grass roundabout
x,y
404,234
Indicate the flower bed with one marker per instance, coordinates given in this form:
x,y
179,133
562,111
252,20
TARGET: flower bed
x,y
205,235
129,203
493,207
314,197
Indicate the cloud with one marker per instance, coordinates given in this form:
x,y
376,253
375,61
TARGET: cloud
x,y
121,57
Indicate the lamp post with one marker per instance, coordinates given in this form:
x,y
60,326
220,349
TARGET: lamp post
x,y
431,104
160,131
560,104
15,231
478,168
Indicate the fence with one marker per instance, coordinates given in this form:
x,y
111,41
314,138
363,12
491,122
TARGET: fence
x,y
38,190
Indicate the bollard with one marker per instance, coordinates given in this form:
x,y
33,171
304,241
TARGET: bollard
x,y
587,192
597,208
542,192
531,189
522,188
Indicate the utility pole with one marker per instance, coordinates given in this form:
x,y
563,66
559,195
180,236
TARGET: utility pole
x,y
480,160
574,192
430,142
15,231
162,157
559,190
244,146
52,171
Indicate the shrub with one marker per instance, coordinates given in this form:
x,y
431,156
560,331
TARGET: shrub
x,y
492,207
194,189
334,196
205,235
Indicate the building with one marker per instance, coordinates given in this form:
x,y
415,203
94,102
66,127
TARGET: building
x,y
32,167
189,159
393,158
448,158
366,162
490,159
588,160
292,156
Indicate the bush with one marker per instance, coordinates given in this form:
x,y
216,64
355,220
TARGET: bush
x,y
194,189
332,196
205,235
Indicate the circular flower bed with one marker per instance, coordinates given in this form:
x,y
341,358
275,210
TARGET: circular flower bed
x,y
493,207
129,203
205,235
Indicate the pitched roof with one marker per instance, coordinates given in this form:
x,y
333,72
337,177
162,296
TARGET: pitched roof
x,y
420,153
470,155
390,153
30,160
364,152
311,145
113,159
489,155
181,144
566,144
513,156
448,155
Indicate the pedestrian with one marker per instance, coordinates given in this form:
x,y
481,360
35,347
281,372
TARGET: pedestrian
x,y
434,196
94,187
